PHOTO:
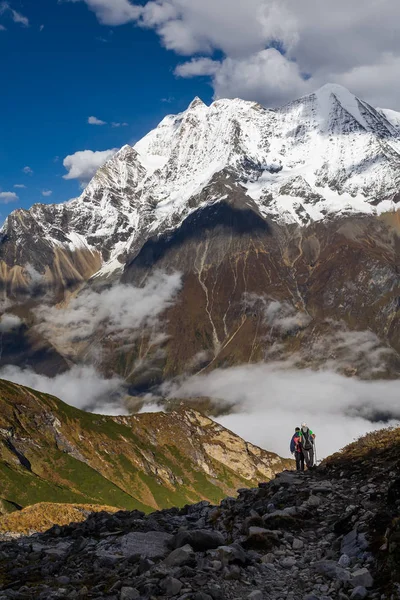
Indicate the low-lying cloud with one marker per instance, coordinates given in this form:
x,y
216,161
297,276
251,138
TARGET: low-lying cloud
x,y
82,387
280,316
271,399
118,309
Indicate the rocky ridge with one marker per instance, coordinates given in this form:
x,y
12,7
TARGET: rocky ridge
x,y
328,534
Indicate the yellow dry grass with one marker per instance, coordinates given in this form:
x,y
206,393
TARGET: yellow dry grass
x,y
41,517
380,443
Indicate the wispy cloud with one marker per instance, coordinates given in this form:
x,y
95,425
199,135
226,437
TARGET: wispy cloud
x,y
27,171
113,124
20,186
47,193
5,8
118,310
18,18
95,121
7,197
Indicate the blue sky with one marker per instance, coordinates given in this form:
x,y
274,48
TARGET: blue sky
x,y
133,61
58,76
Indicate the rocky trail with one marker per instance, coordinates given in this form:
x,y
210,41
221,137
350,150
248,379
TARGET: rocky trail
x,y
329,533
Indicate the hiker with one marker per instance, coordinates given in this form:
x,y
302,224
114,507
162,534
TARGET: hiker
x,y
307,438
296,449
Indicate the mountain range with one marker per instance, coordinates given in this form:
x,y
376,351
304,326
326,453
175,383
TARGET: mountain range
x,y
280,227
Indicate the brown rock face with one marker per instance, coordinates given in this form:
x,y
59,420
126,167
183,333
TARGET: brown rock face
x,y
249,284
252,289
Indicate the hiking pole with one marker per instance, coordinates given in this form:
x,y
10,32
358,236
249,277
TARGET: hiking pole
x,y
315,454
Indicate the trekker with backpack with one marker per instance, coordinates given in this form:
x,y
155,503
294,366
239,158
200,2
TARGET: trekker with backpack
x,y
307,438
296,449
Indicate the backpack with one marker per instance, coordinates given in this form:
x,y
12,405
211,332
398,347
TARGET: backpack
x,y
308,441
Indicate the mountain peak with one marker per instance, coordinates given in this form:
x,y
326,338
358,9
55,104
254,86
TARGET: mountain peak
x,y
333,88
196,103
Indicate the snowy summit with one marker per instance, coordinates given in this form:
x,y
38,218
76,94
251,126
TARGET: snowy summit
x,y
326,154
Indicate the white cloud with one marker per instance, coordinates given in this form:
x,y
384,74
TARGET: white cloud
x,y
112,12
7,197
41,28
96,121
121,308
18,18
266,76
2,28
271,399
15,16
246,32
20,186
113,124
46,193
82,387
27,171
83,164
198,67
8,322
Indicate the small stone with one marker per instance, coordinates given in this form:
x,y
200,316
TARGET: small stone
x,y
201,596
359,593
129,593
63,580
297,544
171,586
344,561
314,501
231,554
268,558
256,595
288,563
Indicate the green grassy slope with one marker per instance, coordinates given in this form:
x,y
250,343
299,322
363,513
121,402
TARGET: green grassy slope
x,y
52,452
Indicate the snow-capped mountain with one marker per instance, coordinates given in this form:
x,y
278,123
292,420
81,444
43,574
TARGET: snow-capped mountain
x,y
326,154
280,224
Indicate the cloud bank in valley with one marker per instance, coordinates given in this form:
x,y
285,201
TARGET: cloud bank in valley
x,y
82,387
271,399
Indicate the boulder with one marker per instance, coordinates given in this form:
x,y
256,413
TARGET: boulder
x,y
180,556
171,586
359,593
199,539
232,554
361,577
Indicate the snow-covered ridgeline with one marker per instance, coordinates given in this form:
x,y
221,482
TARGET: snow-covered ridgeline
x,y
327,153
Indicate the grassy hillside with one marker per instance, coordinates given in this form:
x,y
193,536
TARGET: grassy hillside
x,y
44,515
52,452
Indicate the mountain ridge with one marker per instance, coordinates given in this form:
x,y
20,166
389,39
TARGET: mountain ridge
x,y
285,159
52,452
